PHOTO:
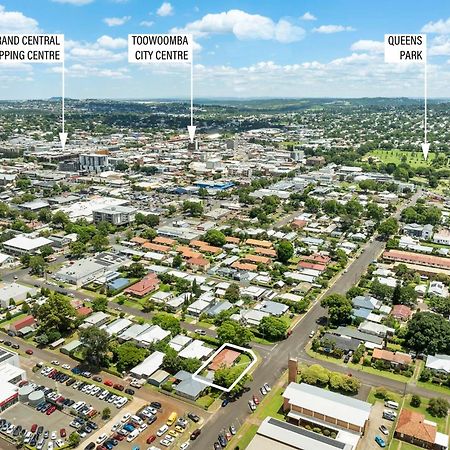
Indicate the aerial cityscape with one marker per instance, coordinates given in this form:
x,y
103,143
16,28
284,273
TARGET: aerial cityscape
x,y
224,225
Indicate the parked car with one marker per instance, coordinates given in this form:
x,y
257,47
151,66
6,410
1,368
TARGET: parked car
x,y
194,417
195,434
380,441
29,351
384,430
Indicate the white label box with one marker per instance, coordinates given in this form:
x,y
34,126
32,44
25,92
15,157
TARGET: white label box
x,y
159,48
405,48
31,48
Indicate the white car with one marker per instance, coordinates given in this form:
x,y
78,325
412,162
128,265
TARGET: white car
x,y
101,438
166,443
116,426
40,444
53,437
184,445
125,417
267,387
55,362
143,427
162,430
66,366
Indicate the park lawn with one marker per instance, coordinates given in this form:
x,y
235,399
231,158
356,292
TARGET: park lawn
x,y
414,159
206,401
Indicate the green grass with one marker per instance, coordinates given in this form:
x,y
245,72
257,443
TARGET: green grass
x,y
392,396
271,405
249,433
205,402
13,319
395,444
414,159
434,387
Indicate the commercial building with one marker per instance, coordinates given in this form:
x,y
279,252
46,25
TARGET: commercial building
x,y
306,403
87,270
149,366
22,244
93,162
116,215
274,434
14,291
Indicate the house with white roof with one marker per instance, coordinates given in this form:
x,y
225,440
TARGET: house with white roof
x,y
196,349
438,363
149,366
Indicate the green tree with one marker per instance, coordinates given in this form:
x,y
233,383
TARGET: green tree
x,y
389,227
195,209
177,261
315,375
203,192
232,293
74,439
77,249
415,401
339,309
428,333
100,303
95,345
60,219
46,251
106,413
56,314
273,328
233,333
167,322
438,407
215,237
99,243
129,355
285,251
37,265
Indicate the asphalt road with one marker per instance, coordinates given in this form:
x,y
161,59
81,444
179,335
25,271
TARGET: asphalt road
x,y
275,361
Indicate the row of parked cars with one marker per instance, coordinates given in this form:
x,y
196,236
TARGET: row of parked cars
x,y
390,414
36,436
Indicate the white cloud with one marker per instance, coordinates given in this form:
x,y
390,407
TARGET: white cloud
x,y
166,9
116,21
328,29
146,23
109,42
74,2
308,16
244,26
103,51
85,71
439,27
439,46
367,45
16,22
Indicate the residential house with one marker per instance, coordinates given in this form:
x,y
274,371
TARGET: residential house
x,y
401,312
414,428
439,364
395,359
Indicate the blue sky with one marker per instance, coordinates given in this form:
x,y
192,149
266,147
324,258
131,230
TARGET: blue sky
x,y
245,48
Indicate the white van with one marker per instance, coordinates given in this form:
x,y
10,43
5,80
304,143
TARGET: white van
x,y
391,404
133,435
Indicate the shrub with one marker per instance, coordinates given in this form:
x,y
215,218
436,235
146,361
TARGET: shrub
x,y
381,392
415,401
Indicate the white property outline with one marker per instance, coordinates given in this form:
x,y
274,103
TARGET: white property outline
x,y
239,378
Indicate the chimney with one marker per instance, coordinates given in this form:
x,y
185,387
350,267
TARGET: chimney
x,y
293,370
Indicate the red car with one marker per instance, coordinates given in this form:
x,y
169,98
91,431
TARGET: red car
x,y
62,432
256,400
29,351
108,383
33,427
151,438
50,410
119,437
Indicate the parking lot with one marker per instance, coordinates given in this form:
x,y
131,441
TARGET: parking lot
x,y
149,426
375,421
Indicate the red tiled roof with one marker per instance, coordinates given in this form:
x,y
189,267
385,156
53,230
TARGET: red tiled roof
x,y
402,311
22,323
258,243
156,247
243,266
199,261
310,265
257,259
225,358
417,258
143,287
84,311
411,423
265,251
395,357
